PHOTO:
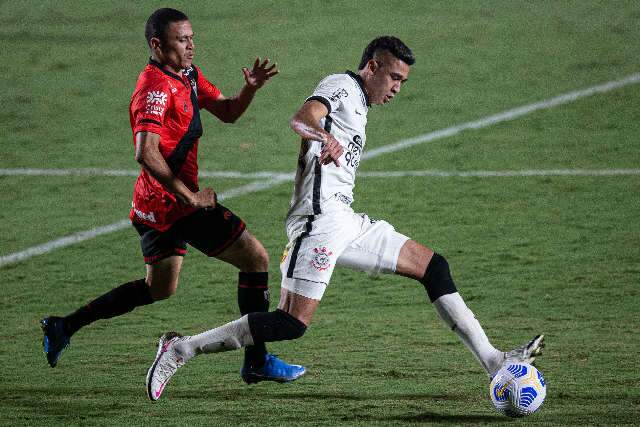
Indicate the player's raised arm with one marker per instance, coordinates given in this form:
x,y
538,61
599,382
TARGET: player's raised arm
x,y
230,109
306,123
149,156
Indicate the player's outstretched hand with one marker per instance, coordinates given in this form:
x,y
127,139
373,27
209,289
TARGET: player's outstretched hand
x,y
260,73
204,199
331,151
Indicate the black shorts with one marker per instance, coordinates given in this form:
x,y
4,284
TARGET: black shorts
x,y
209,231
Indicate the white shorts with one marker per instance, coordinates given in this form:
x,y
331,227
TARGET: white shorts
x,y
317,243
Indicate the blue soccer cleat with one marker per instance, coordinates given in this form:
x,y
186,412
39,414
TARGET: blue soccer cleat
x,y
274,369
55,340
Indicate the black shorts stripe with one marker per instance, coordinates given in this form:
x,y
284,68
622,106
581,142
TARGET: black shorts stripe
x,y
296,247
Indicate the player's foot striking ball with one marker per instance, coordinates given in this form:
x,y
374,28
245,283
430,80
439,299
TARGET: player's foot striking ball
x,y
526,353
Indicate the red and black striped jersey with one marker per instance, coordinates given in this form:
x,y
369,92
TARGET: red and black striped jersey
x,y
168,104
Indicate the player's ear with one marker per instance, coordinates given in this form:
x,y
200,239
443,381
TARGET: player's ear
x,y
154,43
373,65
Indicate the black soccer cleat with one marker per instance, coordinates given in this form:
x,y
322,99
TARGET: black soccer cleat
x,y
55,340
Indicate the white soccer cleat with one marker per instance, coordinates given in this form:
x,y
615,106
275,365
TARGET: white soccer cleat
x,y
526,353
164,366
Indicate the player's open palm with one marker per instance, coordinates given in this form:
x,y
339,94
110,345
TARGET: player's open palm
x,y
260,73
205,198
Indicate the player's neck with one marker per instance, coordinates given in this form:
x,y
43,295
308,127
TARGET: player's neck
x,y
165,65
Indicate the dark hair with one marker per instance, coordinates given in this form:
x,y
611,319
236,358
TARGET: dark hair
x,y
391,44
159,21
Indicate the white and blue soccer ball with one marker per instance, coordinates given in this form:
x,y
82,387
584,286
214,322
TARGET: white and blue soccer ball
x,y
518,389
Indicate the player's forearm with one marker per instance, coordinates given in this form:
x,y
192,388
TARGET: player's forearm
x,y
307,130
159,169
236,106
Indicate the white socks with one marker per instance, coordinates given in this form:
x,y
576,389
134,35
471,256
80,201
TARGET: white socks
x,y
455,313
231,336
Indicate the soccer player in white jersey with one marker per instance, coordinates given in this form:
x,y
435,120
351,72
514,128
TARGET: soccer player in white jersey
x,y
325,232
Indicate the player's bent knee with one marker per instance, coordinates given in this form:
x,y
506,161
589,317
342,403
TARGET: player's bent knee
x,y
437,278
159,293
276,325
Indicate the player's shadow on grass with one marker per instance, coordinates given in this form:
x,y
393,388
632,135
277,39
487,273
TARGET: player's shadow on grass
x,y
370,399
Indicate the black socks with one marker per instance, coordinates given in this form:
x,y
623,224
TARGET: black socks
x,y
114,303
253,296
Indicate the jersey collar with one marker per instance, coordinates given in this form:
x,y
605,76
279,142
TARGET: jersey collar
x,y
360,82
168,73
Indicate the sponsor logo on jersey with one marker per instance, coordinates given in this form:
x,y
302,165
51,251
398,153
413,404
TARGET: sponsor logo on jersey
x,y
156,101
354,149
337,94
156,97
145,216
344,198
321,258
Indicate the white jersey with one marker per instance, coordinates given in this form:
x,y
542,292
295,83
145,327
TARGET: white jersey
x,y
321,189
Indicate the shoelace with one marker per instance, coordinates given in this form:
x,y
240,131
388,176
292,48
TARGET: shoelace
x,y
170,365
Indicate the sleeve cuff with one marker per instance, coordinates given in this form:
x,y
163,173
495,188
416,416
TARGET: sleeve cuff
x,y
150,121
321,99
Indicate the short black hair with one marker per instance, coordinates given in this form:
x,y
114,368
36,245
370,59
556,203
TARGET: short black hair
x,y
159,21
391,44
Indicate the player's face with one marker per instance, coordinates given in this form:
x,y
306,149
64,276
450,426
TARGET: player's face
x,y
177,51
388,74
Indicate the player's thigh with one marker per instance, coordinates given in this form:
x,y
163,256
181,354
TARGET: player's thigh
x,y
376,250
310,257
246,253
162,277
211,231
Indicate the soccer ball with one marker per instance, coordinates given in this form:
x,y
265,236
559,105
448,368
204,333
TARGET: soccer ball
x,y
518,389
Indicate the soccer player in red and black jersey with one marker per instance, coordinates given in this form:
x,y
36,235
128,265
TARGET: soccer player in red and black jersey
x,y
169,209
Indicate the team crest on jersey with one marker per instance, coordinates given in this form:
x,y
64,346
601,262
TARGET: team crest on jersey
x,y
188,73
322,258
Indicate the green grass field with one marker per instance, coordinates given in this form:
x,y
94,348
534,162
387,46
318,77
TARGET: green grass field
x,y
552,254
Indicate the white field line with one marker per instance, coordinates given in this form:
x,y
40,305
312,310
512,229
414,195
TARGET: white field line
x,y
98,231
505,173
504,116
134,172
258,186
274,178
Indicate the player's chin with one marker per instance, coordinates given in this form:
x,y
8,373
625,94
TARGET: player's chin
x,y
187,62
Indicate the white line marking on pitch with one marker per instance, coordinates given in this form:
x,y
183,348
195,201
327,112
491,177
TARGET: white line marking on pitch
x,y
390,148
511,173
274,178
117,226
503,117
